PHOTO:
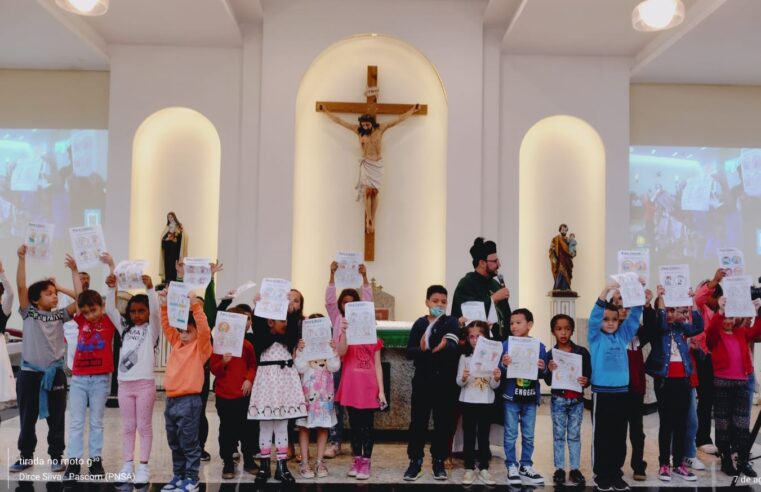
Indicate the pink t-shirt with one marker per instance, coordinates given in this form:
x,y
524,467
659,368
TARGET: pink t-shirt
x,y
735,369
359,383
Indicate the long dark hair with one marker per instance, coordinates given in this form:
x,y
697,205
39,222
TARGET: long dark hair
x,y
347,292
179,224
136,299
467,349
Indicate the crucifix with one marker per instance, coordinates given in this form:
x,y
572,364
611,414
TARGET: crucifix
x,y
370,134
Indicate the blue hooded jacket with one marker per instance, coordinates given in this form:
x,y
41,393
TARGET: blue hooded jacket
x,y
610,363
509,387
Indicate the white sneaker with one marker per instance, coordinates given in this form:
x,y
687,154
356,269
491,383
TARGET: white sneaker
x,y
486,477
709,449
143,474
470,476
530,475
694,463
513,476
126,473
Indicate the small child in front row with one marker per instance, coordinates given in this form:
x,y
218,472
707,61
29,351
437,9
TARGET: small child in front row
x,y
567,405
476,399
610,385
317,382
521,401
183,381
361,392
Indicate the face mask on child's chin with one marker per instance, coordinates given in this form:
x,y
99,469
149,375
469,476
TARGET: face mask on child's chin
x,y
437,311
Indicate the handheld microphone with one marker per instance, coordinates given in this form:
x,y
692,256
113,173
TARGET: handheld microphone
x,y
501,280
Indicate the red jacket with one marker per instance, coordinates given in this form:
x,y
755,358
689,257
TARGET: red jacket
x,y
230,376
719,355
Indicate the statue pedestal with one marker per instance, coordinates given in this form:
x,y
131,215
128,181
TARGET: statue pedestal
x,y
564,302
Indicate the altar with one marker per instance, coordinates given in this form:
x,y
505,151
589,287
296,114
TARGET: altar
x,y
395,335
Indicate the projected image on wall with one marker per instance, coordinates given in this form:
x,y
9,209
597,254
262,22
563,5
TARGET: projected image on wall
x,y
688,201
50,176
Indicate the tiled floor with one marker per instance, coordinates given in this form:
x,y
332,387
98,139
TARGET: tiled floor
x,y
389,459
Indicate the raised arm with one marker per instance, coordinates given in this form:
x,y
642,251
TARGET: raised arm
x,y
385,126
72,265
23,291
8,292
111,311
349,126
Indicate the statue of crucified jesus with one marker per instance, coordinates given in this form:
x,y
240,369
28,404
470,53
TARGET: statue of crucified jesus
x,y
370,133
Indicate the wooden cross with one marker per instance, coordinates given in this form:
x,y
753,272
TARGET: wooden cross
x,y
371,106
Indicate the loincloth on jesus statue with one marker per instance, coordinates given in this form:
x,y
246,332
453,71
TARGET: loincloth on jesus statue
x,y
370,176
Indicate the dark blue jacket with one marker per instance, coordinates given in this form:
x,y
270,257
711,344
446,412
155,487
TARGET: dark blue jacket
x,y
509,387
657,364
439,369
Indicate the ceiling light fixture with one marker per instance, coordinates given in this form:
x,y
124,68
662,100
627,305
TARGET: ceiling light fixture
x,y
657,15
84,7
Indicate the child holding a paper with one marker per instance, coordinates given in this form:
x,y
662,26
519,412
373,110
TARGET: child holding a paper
x,y
90,382
6,294
732,363
140,330
183,380
567,397
41,383
317,383
361,392
608,340
234,379
433,346
522,365
277,395
476,399
335,306
670,365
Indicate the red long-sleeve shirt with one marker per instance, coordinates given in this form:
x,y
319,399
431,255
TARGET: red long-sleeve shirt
x,y
230,376
719,353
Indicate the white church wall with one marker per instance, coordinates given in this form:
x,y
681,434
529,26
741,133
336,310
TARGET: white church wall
x,y
294,34
596,90
146,79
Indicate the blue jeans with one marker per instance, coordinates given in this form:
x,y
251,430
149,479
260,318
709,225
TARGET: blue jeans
x,y
182,415
523,414
84,390
567,416
690,448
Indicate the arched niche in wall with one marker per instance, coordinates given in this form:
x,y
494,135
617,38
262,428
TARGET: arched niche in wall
x,y
411,218
562,180
176,160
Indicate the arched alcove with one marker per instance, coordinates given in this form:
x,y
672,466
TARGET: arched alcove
x,y
562,180
176,160
411,218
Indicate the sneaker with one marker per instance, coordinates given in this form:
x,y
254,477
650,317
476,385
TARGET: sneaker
x,y
620,485
96,467
486,477
577,478
709,449
204,457
414,471
125,474
21,464
363,473
57,465
188,485
439,472
333,450
746,468
71,474
558,478
470,476
639,476
354,467
664,474
322,470
228,470
305,470
530,475
174,484
682,472
603,484
694,463
513,475
143,475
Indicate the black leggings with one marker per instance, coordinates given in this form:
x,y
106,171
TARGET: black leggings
x,y
361,422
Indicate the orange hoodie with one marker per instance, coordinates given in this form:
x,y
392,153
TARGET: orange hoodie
x,y
184,370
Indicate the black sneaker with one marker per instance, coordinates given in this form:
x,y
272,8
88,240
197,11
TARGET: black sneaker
x,y
414,471
96,467
228,470
71,474
57,465
21,464
439,472
558,478
205,456
577,478
620,485
603,484
530,475
746,468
